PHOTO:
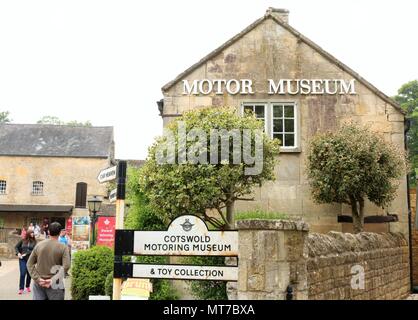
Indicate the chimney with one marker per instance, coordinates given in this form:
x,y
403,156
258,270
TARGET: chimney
x,y
282,14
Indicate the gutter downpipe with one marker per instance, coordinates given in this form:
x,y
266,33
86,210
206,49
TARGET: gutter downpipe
x,y
407,127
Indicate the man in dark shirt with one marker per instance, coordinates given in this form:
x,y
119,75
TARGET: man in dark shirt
x,y
47,265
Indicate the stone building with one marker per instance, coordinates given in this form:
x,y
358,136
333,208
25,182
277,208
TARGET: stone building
x,y
49,171
297,89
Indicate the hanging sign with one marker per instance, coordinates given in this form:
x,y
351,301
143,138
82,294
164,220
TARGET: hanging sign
x,y
112,195
106,231
107,174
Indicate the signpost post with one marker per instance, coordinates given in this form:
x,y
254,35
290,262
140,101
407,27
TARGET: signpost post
x,y
120,212
119,173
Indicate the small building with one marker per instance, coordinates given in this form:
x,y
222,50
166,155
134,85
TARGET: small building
x,y
49,171
297,89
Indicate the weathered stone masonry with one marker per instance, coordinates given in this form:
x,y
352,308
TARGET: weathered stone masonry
x,y
384,258
274,254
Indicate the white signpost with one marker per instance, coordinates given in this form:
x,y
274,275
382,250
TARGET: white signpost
x,y
186,236
112,195
107,174
185,272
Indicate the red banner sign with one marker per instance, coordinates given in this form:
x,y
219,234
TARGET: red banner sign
x,y
69,226
106,231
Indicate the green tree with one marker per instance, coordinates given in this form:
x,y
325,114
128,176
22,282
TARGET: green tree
x,y
56,121
177,188
4,117
142,217
408,99
352,164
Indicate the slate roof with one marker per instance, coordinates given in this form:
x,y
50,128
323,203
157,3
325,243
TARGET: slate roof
x,y
55,141
270,15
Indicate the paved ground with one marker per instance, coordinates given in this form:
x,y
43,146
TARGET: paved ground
x,y
9,282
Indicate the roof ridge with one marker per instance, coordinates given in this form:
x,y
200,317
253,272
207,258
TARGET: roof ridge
x,y
54,125
313,45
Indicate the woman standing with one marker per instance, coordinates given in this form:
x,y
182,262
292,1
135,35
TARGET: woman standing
x,y
23,250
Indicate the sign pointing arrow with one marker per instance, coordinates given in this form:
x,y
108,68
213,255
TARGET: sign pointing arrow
x,y
107,174
112,195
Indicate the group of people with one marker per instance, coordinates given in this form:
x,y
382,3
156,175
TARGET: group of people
x,y
39,231
39,259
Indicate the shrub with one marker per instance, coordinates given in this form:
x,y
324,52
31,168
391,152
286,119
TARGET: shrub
x,y
142,217
109,285
351,165
89,272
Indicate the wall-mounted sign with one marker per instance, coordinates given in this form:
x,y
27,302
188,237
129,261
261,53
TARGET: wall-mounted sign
x,y
81,233
273,87
185,272
187,235
107,174
112,195
106,231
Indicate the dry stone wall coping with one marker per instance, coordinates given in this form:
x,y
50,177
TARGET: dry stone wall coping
x,y
338,243
268,224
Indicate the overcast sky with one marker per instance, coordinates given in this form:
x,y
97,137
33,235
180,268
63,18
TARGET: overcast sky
x,y
106,61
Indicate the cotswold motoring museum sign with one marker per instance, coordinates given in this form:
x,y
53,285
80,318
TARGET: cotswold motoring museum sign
x,y
187,235
280,87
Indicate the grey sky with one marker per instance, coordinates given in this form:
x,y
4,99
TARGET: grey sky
x,y
105,61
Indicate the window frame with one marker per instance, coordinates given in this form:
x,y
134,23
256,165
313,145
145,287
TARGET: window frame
x,y
268,119
250,103
41,183
3,191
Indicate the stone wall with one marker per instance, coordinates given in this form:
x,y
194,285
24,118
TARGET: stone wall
x,y
384,258
414,242
277,256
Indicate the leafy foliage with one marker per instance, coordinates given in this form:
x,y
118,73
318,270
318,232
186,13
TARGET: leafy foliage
x,y
352,164
89,271
175,189
260,214
56,121
109,285
4,117
408,99
142,217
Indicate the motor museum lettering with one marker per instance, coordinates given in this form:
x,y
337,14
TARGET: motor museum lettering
x,y
187,235
274,87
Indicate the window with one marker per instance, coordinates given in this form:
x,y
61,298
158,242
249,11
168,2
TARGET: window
x,y
259,110
37,188
283,124
81,195
3,186
280,121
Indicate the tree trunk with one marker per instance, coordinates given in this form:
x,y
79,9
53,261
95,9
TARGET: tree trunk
x,y
357,211
230,214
